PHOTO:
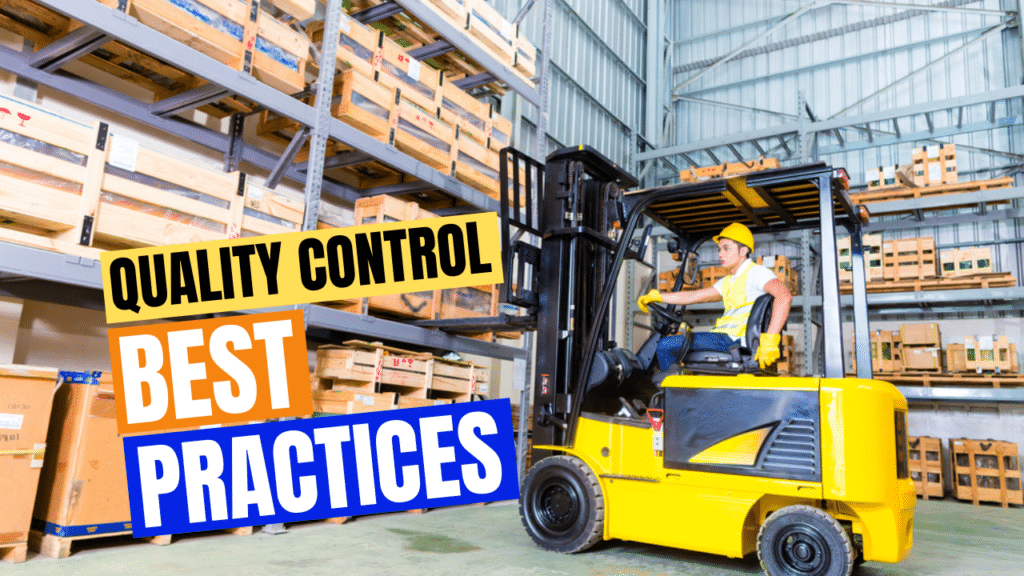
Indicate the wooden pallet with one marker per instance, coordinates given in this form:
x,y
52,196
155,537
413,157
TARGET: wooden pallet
x,y
928,379
60,546
14,553
727,169
998,280
925,459
915,192
986,471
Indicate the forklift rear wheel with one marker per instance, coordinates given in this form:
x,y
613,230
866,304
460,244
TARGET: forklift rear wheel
x,y
562,506
804,541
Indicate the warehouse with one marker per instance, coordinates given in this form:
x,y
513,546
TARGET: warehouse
x,y
580,389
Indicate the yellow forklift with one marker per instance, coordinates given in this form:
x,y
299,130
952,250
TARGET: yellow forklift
x,y
810,473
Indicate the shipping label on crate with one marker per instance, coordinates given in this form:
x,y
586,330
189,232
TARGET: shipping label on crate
x,y
301,267
317,468
215,371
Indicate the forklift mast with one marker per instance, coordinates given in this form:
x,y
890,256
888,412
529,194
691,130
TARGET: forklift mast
x,y
581,189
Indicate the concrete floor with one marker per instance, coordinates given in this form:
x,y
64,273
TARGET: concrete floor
x,y
950,538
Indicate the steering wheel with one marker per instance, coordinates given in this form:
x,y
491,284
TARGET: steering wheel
x,y
663,321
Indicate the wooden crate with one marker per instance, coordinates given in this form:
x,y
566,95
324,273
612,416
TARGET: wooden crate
x,y
883,178
917,358
358,44
374,368
872,249
909,258
410,402
424,136
712,274
56,183
787,356
27,393
934,165
886,352
920,335
957,263
925,459
986,471
989,354
460,109
477,165
418,82
343,400
783,269
499,132
459,381
727,169
222,29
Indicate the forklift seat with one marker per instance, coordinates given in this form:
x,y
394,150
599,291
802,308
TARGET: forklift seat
x,y
739,359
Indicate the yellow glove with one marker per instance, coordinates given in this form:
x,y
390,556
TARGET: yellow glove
x,y
768,351
643,301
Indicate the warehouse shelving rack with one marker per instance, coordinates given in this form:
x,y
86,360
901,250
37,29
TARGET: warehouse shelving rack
x,y
37,274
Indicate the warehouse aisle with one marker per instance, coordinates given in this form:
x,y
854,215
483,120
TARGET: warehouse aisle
x,y
951,538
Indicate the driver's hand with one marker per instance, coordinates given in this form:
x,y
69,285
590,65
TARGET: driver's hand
x,y
768,350
643,301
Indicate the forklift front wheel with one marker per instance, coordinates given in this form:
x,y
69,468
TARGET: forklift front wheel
x,y
561,505
804,541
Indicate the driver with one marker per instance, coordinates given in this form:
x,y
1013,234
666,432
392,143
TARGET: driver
x,y
744,284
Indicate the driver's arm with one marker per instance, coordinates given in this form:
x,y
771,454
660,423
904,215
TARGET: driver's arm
x,y
780,309
708,294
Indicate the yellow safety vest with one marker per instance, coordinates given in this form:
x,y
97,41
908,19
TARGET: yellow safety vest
x,y
737,309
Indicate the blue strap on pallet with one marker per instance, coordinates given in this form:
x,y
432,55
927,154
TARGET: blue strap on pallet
x,y
71,377
83,530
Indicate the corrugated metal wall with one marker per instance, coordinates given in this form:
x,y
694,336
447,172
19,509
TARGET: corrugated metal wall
x,y
837,55
597,87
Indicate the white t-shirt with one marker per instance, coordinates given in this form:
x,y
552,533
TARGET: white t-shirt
x,y
757,279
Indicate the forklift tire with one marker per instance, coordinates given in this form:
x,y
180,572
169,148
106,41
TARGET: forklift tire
x,y
562,506
804,541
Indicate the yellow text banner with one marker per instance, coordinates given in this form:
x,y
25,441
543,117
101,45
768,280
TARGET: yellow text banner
x,y
301,267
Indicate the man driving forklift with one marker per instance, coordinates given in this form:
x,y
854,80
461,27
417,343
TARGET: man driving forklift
x,y
744,284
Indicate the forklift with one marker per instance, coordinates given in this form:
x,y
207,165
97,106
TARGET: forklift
x,y
810,473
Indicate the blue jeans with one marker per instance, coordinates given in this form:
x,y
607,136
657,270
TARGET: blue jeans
x,y
672,349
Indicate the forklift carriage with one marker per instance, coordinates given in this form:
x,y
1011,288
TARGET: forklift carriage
x,y
811,473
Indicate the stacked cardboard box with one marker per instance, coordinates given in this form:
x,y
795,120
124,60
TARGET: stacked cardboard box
x,y
27,392
921,347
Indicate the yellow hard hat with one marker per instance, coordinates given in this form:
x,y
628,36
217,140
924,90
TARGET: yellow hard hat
x,y
739,233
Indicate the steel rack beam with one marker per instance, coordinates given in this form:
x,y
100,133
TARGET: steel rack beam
x,y
793,128
121,27
76,44
928,298
32,273
946,200
425,14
